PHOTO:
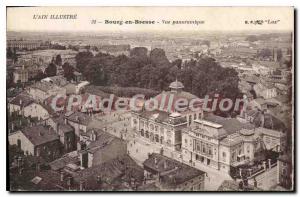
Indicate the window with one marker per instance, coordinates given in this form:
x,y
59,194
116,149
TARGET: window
x,y
151,136
19,143
168,141
202,159
210,150
142,132
161,130
151,127
195,116
161,139
204,149
224,154
134,121
156,128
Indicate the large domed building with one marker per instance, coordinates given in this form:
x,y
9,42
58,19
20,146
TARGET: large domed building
x,y
201,138
164,124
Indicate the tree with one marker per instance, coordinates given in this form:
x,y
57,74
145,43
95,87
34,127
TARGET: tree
x,y
140,52
58,60
205,42
252,38
158,57
40,75
279,55
201,77
177,63
96,74
9,53
82,60
51,70
68,71
265,53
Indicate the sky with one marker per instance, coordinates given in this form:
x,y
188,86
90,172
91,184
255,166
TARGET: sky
x,y
215,18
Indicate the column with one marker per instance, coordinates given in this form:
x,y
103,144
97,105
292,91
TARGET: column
x,y
269,160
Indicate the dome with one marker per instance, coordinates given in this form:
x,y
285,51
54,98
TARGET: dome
x,y
176,85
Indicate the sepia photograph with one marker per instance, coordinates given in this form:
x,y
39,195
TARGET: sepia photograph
x,y
150,99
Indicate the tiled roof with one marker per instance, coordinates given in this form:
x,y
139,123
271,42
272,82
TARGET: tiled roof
x,y
229,185
50,181
95,90
162,117
148,187
44,86
40,134
231,125
57,80
110,172
103,140
22,100
232,140
63,161
79,117
270,132
171,171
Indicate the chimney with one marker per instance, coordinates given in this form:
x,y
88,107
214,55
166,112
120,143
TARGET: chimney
x,y
19,162
62,176
57,127
38,167
155,160
165,165
21,170
262,120
12,126
98,179
81,185
65,120
16,159
93,136
70,182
